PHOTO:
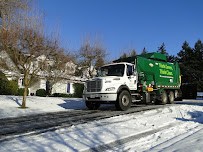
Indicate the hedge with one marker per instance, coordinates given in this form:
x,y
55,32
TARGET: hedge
x,y
21,91
78,90
12,87
41,93
7,87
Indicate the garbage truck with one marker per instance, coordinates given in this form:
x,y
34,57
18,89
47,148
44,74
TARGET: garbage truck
x,y
147,79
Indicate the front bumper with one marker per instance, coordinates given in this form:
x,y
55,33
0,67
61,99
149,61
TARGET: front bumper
x,y
100,97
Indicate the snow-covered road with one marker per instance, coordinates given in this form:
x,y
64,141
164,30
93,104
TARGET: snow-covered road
x,y
175,128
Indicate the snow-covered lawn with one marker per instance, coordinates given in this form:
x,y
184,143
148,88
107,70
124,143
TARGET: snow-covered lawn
x,y
174,128
9,105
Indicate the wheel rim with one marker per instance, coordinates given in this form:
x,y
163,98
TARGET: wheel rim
x,y
176,94
171,97
164,98
125,100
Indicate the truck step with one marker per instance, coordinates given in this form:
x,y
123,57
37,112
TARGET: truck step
x,y
134,94
136,101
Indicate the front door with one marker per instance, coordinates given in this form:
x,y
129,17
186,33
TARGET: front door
x,y
131,78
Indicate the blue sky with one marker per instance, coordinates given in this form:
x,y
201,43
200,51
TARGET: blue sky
x,y
122,25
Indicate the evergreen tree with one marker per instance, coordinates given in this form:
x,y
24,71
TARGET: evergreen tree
x,y
186,53
198,64
191,64
144,51
172,58
162,49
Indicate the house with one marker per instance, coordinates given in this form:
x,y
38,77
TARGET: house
x,y
63,85
8,67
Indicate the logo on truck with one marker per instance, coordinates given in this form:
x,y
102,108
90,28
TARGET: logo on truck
x,y
165,69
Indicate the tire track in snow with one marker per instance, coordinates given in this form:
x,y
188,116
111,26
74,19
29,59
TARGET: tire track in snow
x,y
175,140
111,146
35,124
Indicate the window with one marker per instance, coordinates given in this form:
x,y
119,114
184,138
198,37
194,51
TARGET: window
x,y
22,82
68,87
112,70
129,70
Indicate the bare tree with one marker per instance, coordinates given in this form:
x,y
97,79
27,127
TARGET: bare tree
x,y
59,66
34,54
8,14
24,51
25,43
133,52
9,8
92,56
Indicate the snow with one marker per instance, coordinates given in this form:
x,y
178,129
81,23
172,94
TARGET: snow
x,y
172,128
9,105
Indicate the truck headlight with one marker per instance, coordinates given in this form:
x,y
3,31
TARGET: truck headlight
x,y
110,89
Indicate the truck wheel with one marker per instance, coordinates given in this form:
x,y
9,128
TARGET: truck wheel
x,y
91,105
124,101
171,97
164,97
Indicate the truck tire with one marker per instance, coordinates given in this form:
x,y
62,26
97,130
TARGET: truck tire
x,y
164,97
124,101
178,95
91,105
171,97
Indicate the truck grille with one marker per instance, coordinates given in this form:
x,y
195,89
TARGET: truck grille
x,y
94,86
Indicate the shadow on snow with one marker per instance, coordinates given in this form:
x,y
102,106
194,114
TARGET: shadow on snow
x,y
193,103
15,99
79,104
74,104
196,116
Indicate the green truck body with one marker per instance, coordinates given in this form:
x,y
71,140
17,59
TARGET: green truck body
x,y
154,70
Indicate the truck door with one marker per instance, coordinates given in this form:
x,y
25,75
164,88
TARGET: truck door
x,y
131,78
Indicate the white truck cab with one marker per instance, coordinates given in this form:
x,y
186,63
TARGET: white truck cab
x,y
112,84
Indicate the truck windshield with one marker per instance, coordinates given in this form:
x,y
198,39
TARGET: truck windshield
x,y
111,70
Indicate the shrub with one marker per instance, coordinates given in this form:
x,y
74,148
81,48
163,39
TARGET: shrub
x,y
41,93
3,84
78,90
12,88
7,87
21,91
61,95
55,95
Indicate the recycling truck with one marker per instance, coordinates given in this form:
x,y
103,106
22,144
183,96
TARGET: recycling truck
x,y
147,78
